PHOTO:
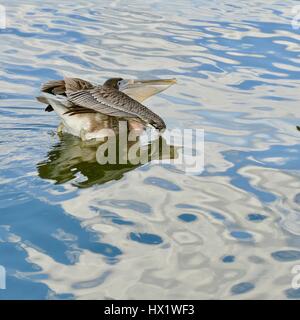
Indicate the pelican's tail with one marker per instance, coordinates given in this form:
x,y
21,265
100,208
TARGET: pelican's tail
x,y
57,103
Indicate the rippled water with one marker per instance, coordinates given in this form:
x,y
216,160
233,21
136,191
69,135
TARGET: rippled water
x,y
71,229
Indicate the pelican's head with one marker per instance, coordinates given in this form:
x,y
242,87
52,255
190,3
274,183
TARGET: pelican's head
x,y
115,83
140,90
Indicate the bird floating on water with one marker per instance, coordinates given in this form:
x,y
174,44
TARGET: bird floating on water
x,y
86,109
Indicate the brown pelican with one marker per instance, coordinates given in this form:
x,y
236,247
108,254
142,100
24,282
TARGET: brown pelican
x,y
85,109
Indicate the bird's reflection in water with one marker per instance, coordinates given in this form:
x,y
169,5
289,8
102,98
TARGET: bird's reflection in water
x,y
74,159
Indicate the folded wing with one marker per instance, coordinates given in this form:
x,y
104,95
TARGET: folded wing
x,y
59,87
111,102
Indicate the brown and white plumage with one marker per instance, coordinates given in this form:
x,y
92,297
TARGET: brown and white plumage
x,y
85,109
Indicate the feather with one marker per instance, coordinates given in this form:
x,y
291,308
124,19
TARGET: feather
x,y
54,85
49,108
76,84
113,102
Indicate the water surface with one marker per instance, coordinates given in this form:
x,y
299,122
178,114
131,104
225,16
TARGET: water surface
x,y
72,229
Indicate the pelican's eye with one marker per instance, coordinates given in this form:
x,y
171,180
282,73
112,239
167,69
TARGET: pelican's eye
x,y
119,83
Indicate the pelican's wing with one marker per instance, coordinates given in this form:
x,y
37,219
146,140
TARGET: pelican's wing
x,y
57,87
109,101
54,87
76,84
